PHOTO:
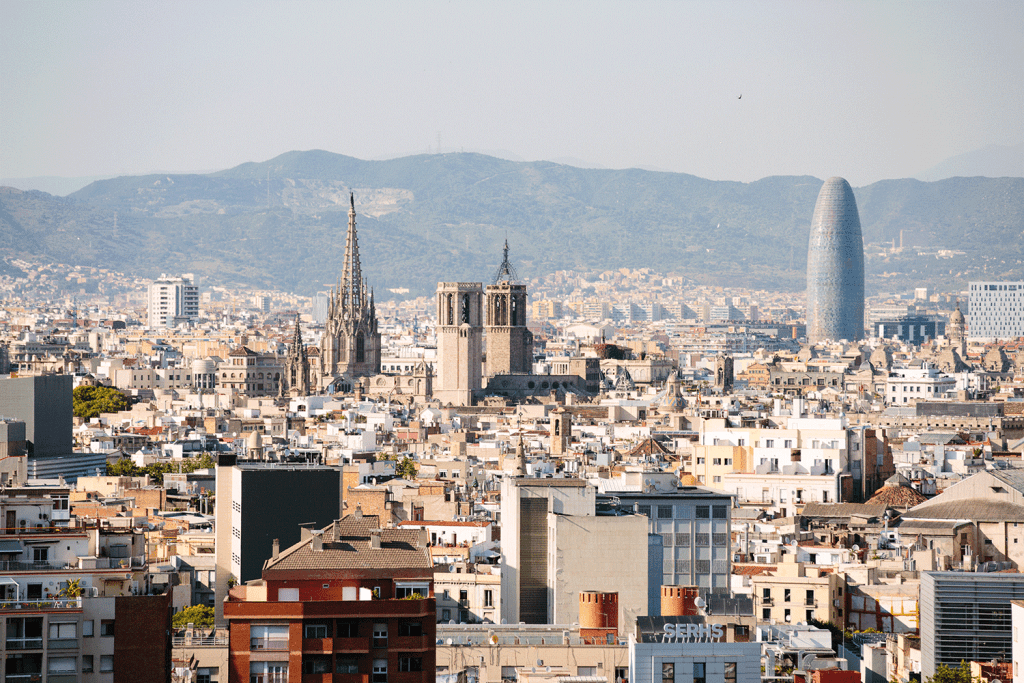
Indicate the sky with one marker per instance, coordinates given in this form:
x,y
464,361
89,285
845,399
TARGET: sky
x,y
719,89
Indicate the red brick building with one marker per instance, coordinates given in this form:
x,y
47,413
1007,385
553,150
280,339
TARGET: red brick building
x,y
350,603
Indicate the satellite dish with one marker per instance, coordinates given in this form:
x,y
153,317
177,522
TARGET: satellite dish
x,y
451,569
547,669
451,622
503,621
699,602
855,548
448,642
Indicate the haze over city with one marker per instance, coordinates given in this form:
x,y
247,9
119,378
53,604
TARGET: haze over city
x,y
735,91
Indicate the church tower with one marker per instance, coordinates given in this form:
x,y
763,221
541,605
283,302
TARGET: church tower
x,y
509,343
296,366
459,342
351,341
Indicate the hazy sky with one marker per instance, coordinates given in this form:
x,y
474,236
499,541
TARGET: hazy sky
x,y
866,90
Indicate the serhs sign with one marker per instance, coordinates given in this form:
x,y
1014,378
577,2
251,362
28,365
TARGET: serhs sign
x,y
693,632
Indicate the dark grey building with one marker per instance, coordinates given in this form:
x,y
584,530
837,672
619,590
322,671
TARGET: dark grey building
x,y
915,330
965,616
835,266
44,404
258,502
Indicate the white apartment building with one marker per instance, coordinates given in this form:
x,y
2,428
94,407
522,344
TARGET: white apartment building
x,y
907,385
173,300
996,310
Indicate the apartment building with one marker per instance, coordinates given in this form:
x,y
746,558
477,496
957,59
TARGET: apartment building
x,y
349,602
996,310
798,592
173,300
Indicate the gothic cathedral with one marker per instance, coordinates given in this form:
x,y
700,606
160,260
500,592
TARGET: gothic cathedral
x,y
350,347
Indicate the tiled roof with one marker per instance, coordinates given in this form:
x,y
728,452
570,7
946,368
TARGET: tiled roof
x,y
974,509
754,569
346,545
896,497
649,447
842,510
442,523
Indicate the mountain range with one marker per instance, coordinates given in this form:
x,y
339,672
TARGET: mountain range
x,y
425,218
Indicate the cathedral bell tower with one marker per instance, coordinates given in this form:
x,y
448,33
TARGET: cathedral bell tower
x,y
509,342
459,342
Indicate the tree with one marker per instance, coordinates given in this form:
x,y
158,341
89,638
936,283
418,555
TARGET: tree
x,y
90,402
197,615
406,468
123,468
203,462
948,674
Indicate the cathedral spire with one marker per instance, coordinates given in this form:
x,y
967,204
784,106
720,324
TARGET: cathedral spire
x,y
506,273
352,275
297,339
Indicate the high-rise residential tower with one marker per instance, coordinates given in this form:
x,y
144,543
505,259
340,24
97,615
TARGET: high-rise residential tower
x,y
173,300
835,266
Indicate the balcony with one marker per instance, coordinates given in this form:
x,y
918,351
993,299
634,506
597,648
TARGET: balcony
x,y
25,643
14,566
411,643
354,645
42,605
768,601
811,603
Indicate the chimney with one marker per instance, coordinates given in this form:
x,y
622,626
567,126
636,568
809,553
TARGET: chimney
x,y
358,514
375,538
679,601
318,541
277,548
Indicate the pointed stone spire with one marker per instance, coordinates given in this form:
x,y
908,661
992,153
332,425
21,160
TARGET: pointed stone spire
x,y
352,274
520,457
297,339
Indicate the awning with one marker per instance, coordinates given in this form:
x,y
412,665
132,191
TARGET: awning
x,y
8,581
9,546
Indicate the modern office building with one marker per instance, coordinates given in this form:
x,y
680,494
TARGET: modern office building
x,y
996,310
694,524
966,616
835,266
173,301
688,648
912,329
349,602
44,404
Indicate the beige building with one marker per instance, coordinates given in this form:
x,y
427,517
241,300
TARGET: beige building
x,y
492,653
459,342
468,597
798,592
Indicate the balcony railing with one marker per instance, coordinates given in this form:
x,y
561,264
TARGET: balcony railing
x,y
47,604
13,566
25,643
197,641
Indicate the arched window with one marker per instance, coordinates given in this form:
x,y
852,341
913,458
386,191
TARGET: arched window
x,y
451,311
360,348
465,308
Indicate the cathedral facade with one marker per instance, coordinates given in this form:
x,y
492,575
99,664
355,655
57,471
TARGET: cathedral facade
x,y
350,347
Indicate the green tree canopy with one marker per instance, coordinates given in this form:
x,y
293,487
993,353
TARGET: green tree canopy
x,y
89,401
198,615
949,674
406,468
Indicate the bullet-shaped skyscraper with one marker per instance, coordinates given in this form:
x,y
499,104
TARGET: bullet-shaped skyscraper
x,y
835,266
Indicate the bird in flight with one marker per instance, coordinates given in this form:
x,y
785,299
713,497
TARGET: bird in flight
x,y
740,97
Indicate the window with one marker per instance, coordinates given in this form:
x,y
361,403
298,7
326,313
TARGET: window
x,y
406,590
463,597
40,554
786,593
766,613
107,628
410,664
316,664
61,665
643,510
346,665
488,598
664,512
268,672
380,635
87,664
621,674
446,615
268,637
810,614
586,671
347,629
703,539
65,631
730,672
668,672
106,663
410,629
703,512
380,671
788,616
287,594
87,626
508,673
810,597
699,673
312,629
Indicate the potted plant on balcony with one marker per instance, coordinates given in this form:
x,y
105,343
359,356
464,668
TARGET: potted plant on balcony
x,y
72,589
